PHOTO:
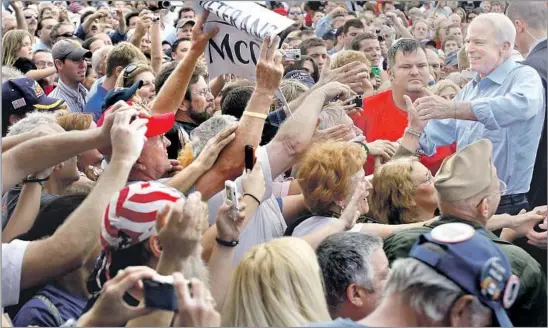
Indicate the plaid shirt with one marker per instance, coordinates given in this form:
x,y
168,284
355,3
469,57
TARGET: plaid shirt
x,y
75,99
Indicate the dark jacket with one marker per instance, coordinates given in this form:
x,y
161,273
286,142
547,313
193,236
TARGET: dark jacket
x,y
538,59
529,310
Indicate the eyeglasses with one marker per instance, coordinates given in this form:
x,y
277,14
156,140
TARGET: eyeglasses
x,y
428,178
130,69
503,188
295,13
31,17
42,63
203,92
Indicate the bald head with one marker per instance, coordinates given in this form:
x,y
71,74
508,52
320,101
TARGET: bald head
x,y
532,13
434,63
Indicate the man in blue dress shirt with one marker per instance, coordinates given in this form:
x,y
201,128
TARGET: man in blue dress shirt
x,y
503,103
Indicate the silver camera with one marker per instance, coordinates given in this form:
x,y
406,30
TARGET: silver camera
x,y
292,54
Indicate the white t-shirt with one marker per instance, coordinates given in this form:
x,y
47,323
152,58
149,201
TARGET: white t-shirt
x,y
266,224
12,265
312,224
315,223
217,200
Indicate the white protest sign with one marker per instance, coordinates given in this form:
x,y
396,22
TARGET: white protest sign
x,y
242,27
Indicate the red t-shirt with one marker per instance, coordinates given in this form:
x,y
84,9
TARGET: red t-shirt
x,y
381,119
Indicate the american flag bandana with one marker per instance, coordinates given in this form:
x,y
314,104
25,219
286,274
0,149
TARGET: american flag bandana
x,y
130,218
18,103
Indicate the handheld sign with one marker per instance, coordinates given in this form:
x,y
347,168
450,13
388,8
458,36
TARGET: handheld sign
x,y
242,27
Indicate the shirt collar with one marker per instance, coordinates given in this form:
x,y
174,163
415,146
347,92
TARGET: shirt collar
x,y
81,88
500,73
536,44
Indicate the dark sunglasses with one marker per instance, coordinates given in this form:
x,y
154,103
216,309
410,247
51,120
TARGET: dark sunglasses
x,y
66,35
130,69
31,16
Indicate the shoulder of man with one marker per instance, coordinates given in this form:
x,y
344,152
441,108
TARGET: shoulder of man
x,y
398,245
530,306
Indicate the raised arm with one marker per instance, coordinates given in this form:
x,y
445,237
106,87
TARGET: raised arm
x,y
295,135
70,245
20,161
19,16
173,92
231,160
156,52
25,212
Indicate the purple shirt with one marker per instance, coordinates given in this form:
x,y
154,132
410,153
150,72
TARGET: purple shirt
x,y
36,313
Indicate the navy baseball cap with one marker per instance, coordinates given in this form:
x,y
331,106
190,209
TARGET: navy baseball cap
x,y
23,95
330,35
302,76
451,59
473,262
157,124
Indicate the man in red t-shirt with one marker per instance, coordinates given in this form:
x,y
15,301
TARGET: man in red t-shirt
x,y
384,115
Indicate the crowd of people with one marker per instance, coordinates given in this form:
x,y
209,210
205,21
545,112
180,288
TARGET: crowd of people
x,y
399,181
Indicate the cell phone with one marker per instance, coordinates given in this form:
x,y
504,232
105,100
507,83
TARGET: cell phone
x,y
249,158
292,54
232,197
160,294
358,101
376,71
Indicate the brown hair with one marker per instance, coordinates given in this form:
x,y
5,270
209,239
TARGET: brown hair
x,y
310,43
123,54
325,173
393,193
450,38
354,22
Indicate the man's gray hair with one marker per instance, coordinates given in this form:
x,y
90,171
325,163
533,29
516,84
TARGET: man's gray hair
x,y
99,55
31,121
404,45
534,13
11,73
344,258
207,130
505,31
330,116
428,292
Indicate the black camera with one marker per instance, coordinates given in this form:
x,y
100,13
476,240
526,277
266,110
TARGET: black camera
x,y
358,101
160,5
160,293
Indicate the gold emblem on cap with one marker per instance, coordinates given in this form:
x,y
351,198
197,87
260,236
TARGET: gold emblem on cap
x,y
452,232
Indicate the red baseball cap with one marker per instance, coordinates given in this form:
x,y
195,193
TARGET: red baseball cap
x,y
157,124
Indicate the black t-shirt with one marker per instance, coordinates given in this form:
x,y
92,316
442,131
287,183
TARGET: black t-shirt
x,y
24,65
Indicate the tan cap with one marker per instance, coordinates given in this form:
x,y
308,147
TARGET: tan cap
x,y
466,173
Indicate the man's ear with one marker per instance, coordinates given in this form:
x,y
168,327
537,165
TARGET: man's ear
x,y
390,74
519,26
139,165
119,70
355,295
460,314
154,245
483,208
184,106
13,119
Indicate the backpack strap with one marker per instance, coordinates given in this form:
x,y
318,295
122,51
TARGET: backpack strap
x,y
52,309
293,225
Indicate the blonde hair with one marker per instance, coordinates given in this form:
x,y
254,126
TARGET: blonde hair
x,y
325,173
348,56
11,43
141,67
276,284
444,84
393,193
74,121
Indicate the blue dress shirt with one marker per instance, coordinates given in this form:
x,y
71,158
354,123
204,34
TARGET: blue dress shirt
x,y
509,107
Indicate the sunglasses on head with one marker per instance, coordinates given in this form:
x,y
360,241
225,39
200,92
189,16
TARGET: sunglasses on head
x,y
127,72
